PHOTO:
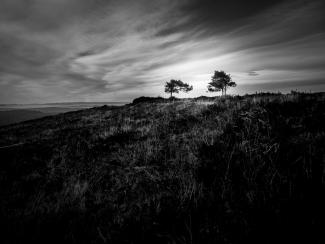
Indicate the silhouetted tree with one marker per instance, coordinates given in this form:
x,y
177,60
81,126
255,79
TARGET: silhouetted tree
x,y
220,81
175,86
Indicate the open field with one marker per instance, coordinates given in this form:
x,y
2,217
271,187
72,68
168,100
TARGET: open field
x,y
222,170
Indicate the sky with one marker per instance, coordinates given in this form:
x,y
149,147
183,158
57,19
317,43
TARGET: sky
x,y
117,50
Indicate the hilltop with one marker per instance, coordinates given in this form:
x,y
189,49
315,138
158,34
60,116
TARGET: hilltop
x,y
206,170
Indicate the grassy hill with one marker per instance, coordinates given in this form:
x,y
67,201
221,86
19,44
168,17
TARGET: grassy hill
x,y
225,170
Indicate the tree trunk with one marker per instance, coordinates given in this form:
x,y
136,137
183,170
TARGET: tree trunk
x,y
171,94
225,91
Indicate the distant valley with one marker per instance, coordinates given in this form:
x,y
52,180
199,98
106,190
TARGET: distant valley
x,y
15,113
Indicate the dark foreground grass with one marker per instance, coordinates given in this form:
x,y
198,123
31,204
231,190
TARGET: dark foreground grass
x,y
235,170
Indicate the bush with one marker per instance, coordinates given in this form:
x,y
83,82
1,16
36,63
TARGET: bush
x,y
148,100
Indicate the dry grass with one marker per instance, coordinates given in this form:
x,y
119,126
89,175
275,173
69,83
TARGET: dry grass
x,y
230,170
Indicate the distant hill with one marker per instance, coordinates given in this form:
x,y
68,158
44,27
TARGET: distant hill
x,y
243,169
19,115
10,114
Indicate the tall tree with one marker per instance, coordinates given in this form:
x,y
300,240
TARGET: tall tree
x,y
220,81
175,86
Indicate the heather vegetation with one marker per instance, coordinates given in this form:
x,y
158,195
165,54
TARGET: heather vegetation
x,y
206,170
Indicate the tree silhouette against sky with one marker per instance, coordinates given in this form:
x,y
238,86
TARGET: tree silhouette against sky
x,y
175,86
220,81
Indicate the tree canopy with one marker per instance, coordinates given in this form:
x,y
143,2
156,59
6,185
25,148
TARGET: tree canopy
x,y
175,86
220,81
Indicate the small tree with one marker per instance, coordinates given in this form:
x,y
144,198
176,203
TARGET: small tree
x,y
175,86
220,81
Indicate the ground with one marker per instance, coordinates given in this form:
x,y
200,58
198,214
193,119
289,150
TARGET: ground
x,y
221,170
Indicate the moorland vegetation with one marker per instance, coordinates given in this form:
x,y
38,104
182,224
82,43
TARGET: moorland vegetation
x,y
230,169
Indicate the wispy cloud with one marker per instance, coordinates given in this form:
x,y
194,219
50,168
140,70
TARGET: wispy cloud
x,y
80,50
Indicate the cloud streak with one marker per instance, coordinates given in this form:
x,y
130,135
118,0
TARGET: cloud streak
x,y
80,50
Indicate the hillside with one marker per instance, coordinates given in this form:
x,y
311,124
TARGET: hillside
x,y
227,170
